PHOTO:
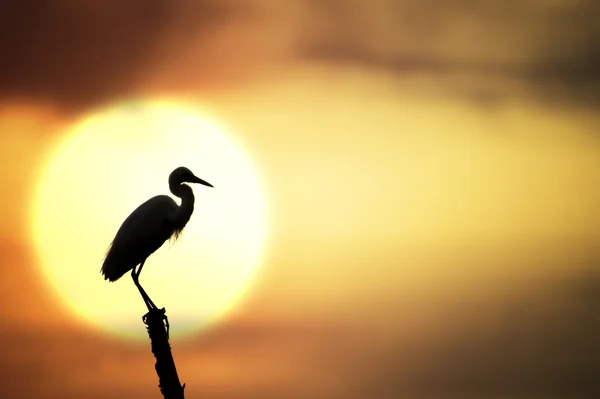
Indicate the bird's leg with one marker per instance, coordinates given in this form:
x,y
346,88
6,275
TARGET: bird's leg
x,y
145,295
149,304
135,275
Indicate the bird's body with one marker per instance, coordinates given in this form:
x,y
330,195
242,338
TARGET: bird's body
x,y
148,227
140,235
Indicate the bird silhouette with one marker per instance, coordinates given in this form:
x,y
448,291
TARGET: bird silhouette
x,y
147,229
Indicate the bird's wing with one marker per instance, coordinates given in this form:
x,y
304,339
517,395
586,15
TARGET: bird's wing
x,y
148,220
146,228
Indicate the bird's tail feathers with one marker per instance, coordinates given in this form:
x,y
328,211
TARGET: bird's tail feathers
x,y
112,270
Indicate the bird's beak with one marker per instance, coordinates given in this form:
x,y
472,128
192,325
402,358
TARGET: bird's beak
x,y
198,180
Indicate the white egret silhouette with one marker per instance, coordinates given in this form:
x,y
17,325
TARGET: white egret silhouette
x,y
148,227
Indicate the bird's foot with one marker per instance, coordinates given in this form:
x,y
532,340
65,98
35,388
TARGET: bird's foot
x,y
151,310
163,312
166,319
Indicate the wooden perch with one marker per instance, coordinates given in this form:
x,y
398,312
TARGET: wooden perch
x,y
157,325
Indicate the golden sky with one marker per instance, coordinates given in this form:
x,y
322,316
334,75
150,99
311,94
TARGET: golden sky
x,y
432,171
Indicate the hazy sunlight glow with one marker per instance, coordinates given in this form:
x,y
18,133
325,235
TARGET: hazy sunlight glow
x,y
110,163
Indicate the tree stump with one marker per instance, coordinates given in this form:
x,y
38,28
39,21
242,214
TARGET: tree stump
x,y
157,326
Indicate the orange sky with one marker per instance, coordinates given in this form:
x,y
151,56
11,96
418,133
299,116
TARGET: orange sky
x,y
434,203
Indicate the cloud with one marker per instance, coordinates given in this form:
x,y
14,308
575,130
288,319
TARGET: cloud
x,y
74,54
543,344
78,54
550,47
64,363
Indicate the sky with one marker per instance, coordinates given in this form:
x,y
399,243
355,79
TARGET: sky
x,y
432,170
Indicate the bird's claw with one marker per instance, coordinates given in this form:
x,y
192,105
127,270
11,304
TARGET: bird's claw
x,y
166,319
164,316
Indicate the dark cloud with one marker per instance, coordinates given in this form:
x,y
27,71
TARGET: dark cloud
x,y
66,363
552,47
74,53
77,54
541,342
544,345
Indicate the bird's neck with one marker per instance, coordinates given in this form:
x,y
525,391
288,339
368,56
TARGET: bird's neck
x,y
186,208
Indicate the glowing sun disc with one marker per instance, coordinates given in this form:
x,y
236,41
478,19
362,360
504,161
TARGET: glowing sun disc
x,y
113,161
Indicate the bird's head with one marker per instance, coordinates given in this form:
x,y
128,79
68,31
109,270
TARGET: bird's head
x,y
184,175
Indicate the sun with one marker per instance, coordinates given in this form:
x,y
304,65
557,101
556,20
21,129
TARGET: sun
x,y
112,161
